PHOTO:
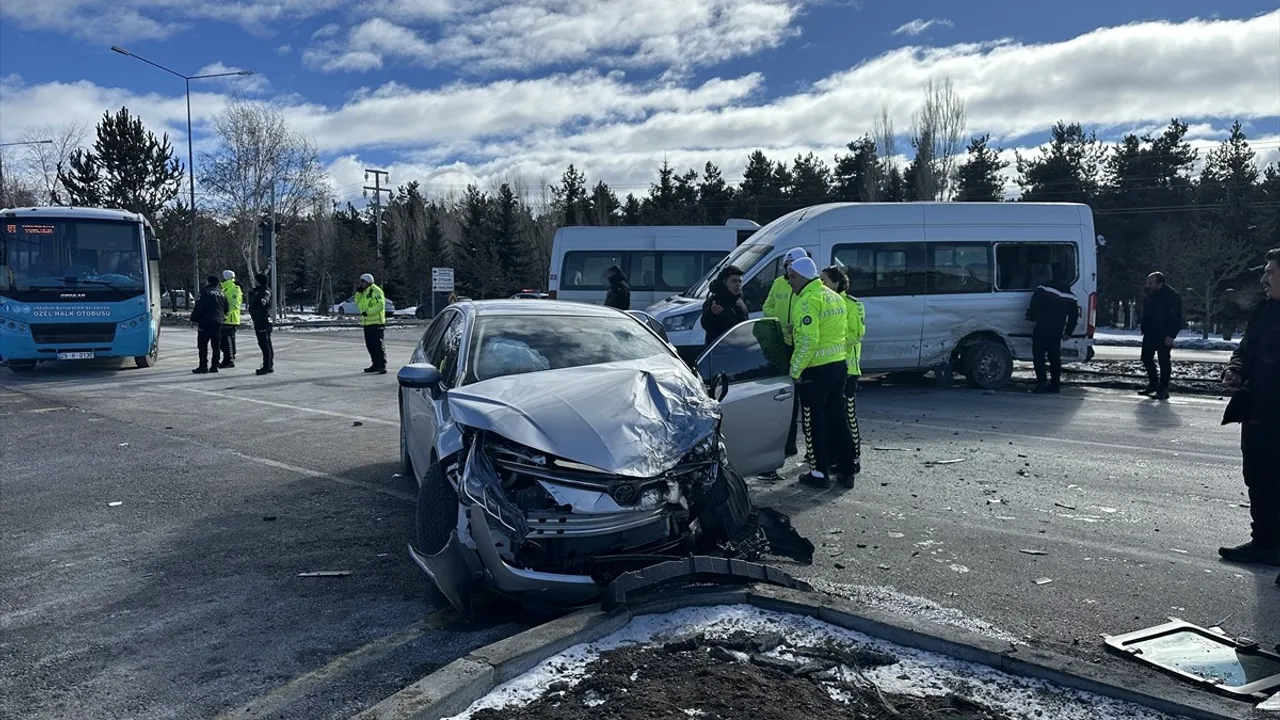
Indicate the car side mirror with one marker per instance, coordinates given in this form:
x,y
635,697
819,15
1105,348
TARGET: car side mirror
x,y
419,376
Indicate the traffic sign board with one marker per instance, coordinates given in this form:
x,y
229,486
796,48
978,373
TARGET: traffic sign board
x,y
442,279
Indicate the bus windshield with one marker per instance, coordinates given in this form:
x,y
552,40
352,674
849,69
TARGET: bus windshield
x,y
50,253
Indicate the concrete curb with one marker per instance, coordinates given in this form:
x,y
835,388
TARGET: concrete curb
x,y
451,689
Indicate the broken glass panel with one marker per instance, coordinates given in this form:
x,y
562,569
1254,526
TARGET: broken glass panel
x,y
1203,656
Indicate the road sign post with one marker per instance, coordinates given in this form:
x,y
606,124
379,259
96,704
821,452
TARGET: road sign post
x,y
441,281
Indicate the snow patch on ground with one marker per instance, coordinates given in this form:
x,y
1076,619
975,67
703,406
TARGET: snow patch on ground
x,y
1187,340
917,673
891,601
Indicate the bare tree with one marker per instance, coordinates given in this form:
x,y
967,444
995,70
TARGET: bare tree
x,y
937,132
43,160
886,144
257,155
1206,260
16,188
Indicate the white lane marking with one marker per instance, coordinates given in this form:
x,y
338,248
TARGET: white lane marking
x,y
321,475
285,406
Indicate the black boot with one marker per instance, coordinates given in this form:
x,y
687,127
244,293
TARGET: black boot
x,y
264,371
1148,390
202,370
1251,552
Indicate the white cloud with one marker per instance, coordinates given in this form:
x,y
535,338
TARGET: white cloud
x,y
919,25
132,20
1123,79
543,33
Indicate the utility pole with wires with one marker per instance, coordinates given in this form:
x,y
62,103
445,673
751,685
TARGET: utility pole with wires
x,y
377,189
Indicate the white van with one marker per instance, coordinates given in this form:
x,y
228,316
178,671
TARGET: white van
x,y
946,285
657,260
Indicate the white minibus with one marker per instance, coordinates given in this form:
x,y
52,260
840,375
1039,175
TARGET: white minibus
x,y
657,260
946,285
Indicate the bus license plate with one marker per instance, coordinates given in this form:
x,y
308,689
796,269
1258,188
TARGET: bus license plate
x,y
75,356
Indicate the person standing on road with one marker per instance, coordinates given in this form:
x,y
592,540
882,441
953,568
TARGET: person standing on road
x,y
619,294
1161,323
231,323
372,305
855,329
1254,371
208,314
819,370
260,313
779,305
724,308
1055,312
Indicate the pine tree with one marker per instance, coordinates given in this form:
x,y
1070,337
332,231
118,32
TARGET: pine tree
x,y
661,206
508,240
978,178
859,176
604,205
570,197
128,168
1067,172
810,182
715,196
632,210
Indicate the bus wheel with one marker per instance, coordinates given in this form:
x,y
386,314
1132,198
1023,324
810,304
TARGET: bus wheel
x,y
989,365
150,359
19,366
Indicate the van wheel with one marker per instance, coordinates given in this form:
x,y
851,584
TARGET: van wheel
x,y
988,365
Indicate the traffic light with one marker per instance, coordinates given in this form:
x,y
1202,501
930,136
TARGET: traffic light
x,y
266,238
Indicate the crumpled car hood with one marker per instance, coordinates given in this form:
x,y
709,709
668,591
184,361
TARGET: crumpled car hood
x,y
637,419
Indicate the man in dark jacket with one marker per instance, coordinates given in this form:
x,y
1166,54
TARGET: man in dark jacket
x,y
619,295
1161,323
1254,371
724,308
1055,312
208,314
260,313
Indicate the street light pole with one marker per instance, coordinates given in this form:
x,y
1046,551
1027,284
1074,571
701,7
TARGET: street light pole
x,y
191,166
4,194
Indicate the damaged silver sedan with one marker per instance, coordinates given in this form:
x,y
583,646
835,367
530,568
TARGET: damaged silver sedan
x,y
558,445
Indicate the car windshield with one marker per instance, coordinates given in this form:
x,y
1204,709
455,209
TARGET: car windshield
x,y
58,253
513,344
744,257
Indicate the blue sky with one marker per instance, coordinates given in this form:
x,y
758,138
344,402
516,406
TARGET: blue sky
x,y
455,91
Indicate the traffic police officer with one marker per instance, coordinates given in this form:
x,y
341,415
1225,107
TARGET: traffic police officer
x,y
372,305
232,320
819,370
779,305
835,279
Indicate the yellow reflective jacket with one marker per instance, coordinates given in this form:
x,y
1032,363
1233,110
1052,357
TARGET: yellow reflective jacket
x,y
820,328
855,331
372,305
781,305
234,297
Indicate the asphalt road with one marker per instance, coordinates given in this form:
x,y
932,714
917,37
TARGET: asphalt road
x,y
184,600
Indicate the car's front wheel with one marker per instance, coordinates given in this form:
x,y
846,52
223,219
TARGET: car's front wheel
x,y
435,517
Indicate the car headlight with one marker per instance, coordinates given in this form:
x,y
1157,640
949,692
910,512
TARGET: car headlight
x,y
680,323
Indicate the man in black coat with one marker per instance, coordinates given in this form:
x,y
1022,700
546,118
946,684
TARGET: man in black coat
x,y
260,312
619,294
1055,312
1254,371
724,308
208,314
1161,323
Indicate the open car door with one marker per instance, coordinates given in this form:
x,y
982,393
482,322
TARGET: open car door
x,y
753,359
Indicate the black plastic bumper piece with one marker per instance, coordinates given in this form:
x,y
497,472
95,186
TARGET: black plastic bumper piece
x,y
694,570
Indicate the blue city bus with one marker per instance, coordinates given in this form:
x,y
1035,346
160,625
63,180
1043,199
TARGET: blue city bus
x,y
78,284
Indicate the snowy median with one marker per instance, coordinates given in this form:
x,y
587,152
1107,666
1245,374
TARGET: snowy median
x,y
737,661
1187,340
